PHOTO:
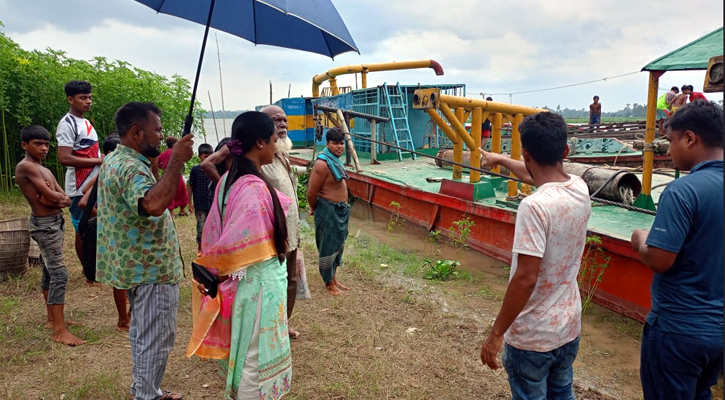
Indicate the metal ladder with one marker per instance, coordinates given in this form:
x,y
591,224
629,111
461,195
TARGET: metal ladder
x,y
397,104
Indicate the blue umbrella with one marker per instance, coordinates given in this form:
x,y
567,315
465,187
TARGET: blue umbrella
x,y
308,25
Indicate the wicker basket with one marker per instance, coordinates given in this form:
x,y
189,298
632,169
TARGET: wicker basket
x,y
14,247
22,224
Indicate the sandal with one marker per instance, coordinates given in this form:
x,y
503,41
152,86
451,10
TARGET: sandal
x,y
170,396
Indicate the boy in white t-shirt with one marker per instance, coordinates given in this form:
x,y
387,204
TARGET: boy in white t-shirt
x,y
78,150
540,318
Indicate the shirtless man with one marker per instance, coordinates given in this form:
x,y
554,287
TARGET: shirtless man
x,y
595,111
47,226
681,98
327,197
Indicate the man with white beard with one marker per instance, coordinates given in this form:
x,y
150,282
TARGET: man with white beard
x,y
281,176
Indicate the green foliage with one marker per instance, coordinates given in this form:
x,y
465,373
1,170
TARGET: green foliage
x,y
434,240
302,186
395,219
594,262
32,92
442,270
460,232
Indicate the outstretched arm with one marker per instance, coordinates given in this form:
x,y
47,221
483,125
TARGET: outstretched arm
x,y
517,167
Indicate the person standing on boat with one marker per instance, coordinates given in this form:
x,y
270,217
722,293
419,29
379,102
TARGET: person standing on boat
x,y
682,342
540,319
327,197
486,128
695,95
595,112
664,102
681,99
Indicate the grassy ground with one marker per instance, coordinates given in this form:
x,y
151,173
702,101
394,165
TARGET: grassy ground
x,y
395,336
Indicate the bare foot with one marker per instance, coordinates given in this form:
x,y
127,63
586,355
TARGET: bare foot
x,y
68,322
333,289
65,337
293,334
340,285
123,326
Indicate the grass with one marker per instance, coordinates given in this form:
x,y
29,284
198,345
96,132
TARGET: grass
x,y
394,336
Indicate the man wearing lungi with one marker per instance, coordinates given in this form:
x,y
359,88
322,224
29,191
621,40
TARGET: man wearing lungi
x,y
327,197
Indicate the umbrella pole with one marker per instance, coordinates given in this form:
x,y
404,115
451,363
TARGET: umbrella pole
x,y
189,119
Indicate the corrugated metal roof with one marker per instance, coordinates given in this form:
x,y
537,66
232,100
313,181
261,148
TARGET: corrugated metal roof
x,y
694,55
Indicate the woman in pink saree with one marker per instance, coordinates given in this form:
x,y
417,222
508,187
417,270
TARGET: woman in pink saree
x,y
243,243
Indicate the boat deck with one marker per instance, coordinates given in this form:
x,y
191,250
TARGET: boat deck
x,y
608,220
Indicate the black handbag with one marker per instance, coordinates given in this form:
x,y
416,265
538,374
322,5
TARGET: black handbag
x,y
206,278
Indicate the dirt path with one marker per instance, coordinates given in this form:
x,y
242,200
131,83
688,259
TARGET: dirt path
x,y
395,336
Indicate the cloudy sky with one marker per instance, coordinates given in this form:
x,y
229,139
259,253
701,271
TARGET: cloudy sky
x,y
493,46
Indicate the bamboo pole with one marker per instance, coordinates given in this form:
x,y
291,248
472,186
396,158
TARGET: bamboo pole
x,y
348,139
216,131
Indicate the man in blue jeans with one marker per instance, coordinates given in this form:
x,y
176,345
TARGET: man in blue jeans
x,y
540,318
682,341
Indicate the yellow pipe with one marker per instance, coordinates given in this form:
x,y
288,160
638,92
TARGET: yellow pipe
x,y
476,121
333,87
364,76
317,80
457,148
443,125
649,133
457,126
457,144
515,152
494,106
496,138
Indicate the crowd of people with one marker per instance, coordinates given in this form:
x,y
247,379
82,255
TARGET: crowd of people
x,y
244,197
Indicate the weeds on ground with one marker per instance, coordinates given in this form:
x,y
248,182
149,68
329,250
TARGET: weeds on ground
x,y
441,270
460,232
594,262
433,241
395,219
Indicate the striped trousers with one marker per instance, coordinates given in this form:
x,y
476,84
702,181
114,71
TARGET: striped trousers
x,y
152,334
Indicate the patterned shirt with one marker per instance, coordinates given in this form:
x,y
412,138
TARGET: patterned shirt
x,y
79,134
133,248
200,189
551,224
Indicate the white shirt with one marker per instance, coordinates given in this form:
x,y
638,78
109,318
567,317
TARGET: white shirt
x,y
79,134
551,224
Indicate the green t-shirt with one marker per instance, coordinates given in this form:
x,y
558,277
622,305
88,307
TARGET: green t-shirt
x,y
133,248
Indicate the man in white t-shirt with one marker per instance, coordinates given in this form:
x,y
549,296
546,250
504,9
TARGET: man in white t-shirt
x,y
78,149
540,318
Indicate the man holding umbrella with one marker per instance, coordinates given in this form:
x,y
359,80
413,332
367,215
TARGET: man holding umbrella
x,y
138,247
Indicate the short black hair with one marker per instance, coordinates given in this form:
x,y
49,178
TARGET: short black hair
x,y
595,97
544,136
34,132
133,113
335,135
702,117
675,89
685,87
74,88
489,98
111,142
171,141
205,148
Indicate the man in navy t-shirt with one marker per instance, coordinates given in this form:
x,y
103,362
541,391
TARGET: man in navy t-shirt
x,y
682,342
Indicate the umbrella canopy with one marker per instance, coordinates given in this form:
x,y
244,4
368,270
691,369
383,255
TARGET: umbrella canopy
x,y
308,25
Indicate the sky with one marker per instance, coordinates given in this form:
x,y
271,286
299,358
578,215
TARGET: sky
x,y
496,47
